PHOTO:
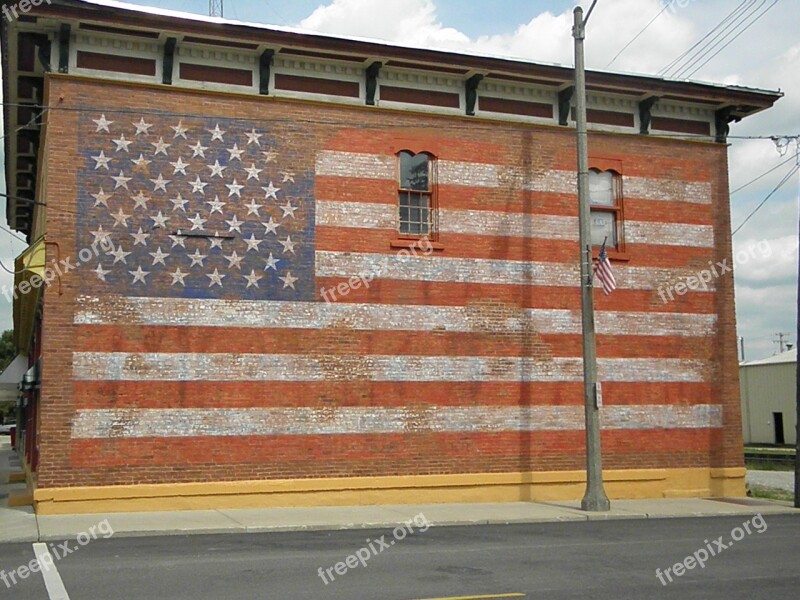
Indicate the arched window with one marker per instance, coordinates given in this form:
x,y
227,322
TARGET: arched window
x,y
605,201
415,195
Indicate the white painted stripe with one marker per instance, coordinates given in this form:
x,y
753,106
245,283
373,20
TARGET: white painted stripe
x,y
478,317
375,166
190,422
363,215
52,579
124,366
487,271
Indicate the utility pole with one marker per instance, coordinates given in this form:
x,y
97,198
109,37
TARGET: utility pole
x,y
595,498
780,342
797,366
215,8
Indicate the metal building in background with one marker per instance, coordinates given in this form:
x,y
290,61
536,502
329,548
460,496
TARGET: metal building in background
x,y
768,399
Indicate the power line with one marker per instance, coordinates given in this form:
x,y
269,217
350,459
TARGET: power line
x,y
783,181
752,181
636,37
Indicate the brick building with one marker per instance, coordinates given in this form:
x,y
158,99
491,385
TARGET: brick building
x,y
315,270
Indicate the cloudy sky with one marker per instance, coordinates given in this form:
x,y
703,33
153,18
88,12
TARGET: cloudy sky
x,y
767,55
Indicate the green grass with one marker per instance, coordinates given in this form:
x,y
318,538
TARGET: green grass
x,y
767,465
771,494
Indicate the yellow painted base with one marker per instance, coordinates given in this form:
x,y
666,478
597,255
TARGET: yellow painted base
x,y
358,491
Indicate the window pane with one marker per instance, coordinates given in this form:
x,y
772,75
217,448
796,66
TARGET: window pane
x,y
414,171
403,214
601,188
604,225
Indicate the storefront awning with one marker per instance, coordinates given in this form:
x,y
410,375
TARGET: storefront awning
x,y
29,269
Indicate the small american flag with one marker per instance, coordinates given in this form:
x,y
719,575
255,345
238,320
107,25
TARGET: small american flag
x,y
602,269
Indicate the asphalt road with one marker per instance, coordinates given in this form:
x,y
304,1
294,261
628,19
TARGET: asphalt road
x,y
602,560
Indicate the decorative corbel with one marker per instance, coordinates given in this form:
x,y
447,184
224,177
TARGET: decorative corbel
x,y
645,106
722,120
265,69
471,86
168,62
564,104
372,81
63,48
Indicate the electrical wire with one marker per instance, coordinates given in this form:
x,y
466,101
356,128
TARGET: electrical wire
x,y
752,181
783,181
641,31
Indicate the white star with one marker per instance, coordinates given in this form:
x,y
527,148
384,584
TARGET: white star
x,y
101,236
216,169
139,275
216,205
101,198
140,238
288,209
234,189
141,162
216,241
178,203
253,137
269,156
197,258
179,166
140,200
119,255
271,226
234,260
272,263
120,218
253,208
198,186
288,281
197,222
122,143
160,220
216,278
121,180
287,176
271,191
178,240
158,257
216,133
252,279
199,150
288,245
178,277
236,153
235,224
102,161
179,129
160,146
253,243
160,183
102,125
100,271
252,172
142,127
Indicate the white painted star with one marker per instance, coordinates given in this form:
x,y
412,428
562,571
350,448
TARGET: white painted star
x,y
253,208
178,203
271,190
271,226
198,187
216,278
288,244
272,263
179,129
288,209
101,198
120,218
269,156
121,180
178,277
234,260
160,146
119,255
288,281
158,257
197,258
160,220
197,222
216,133
234,189
216,205
160,183
122,143
102,161
141,162
235,224
253,137
199,150
216,169
140,238
252,172
216,241
100,271
179,166
139,275
178,240
287,176
142,127
253,243
140,200
252,279
102,125
101,236
235,153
